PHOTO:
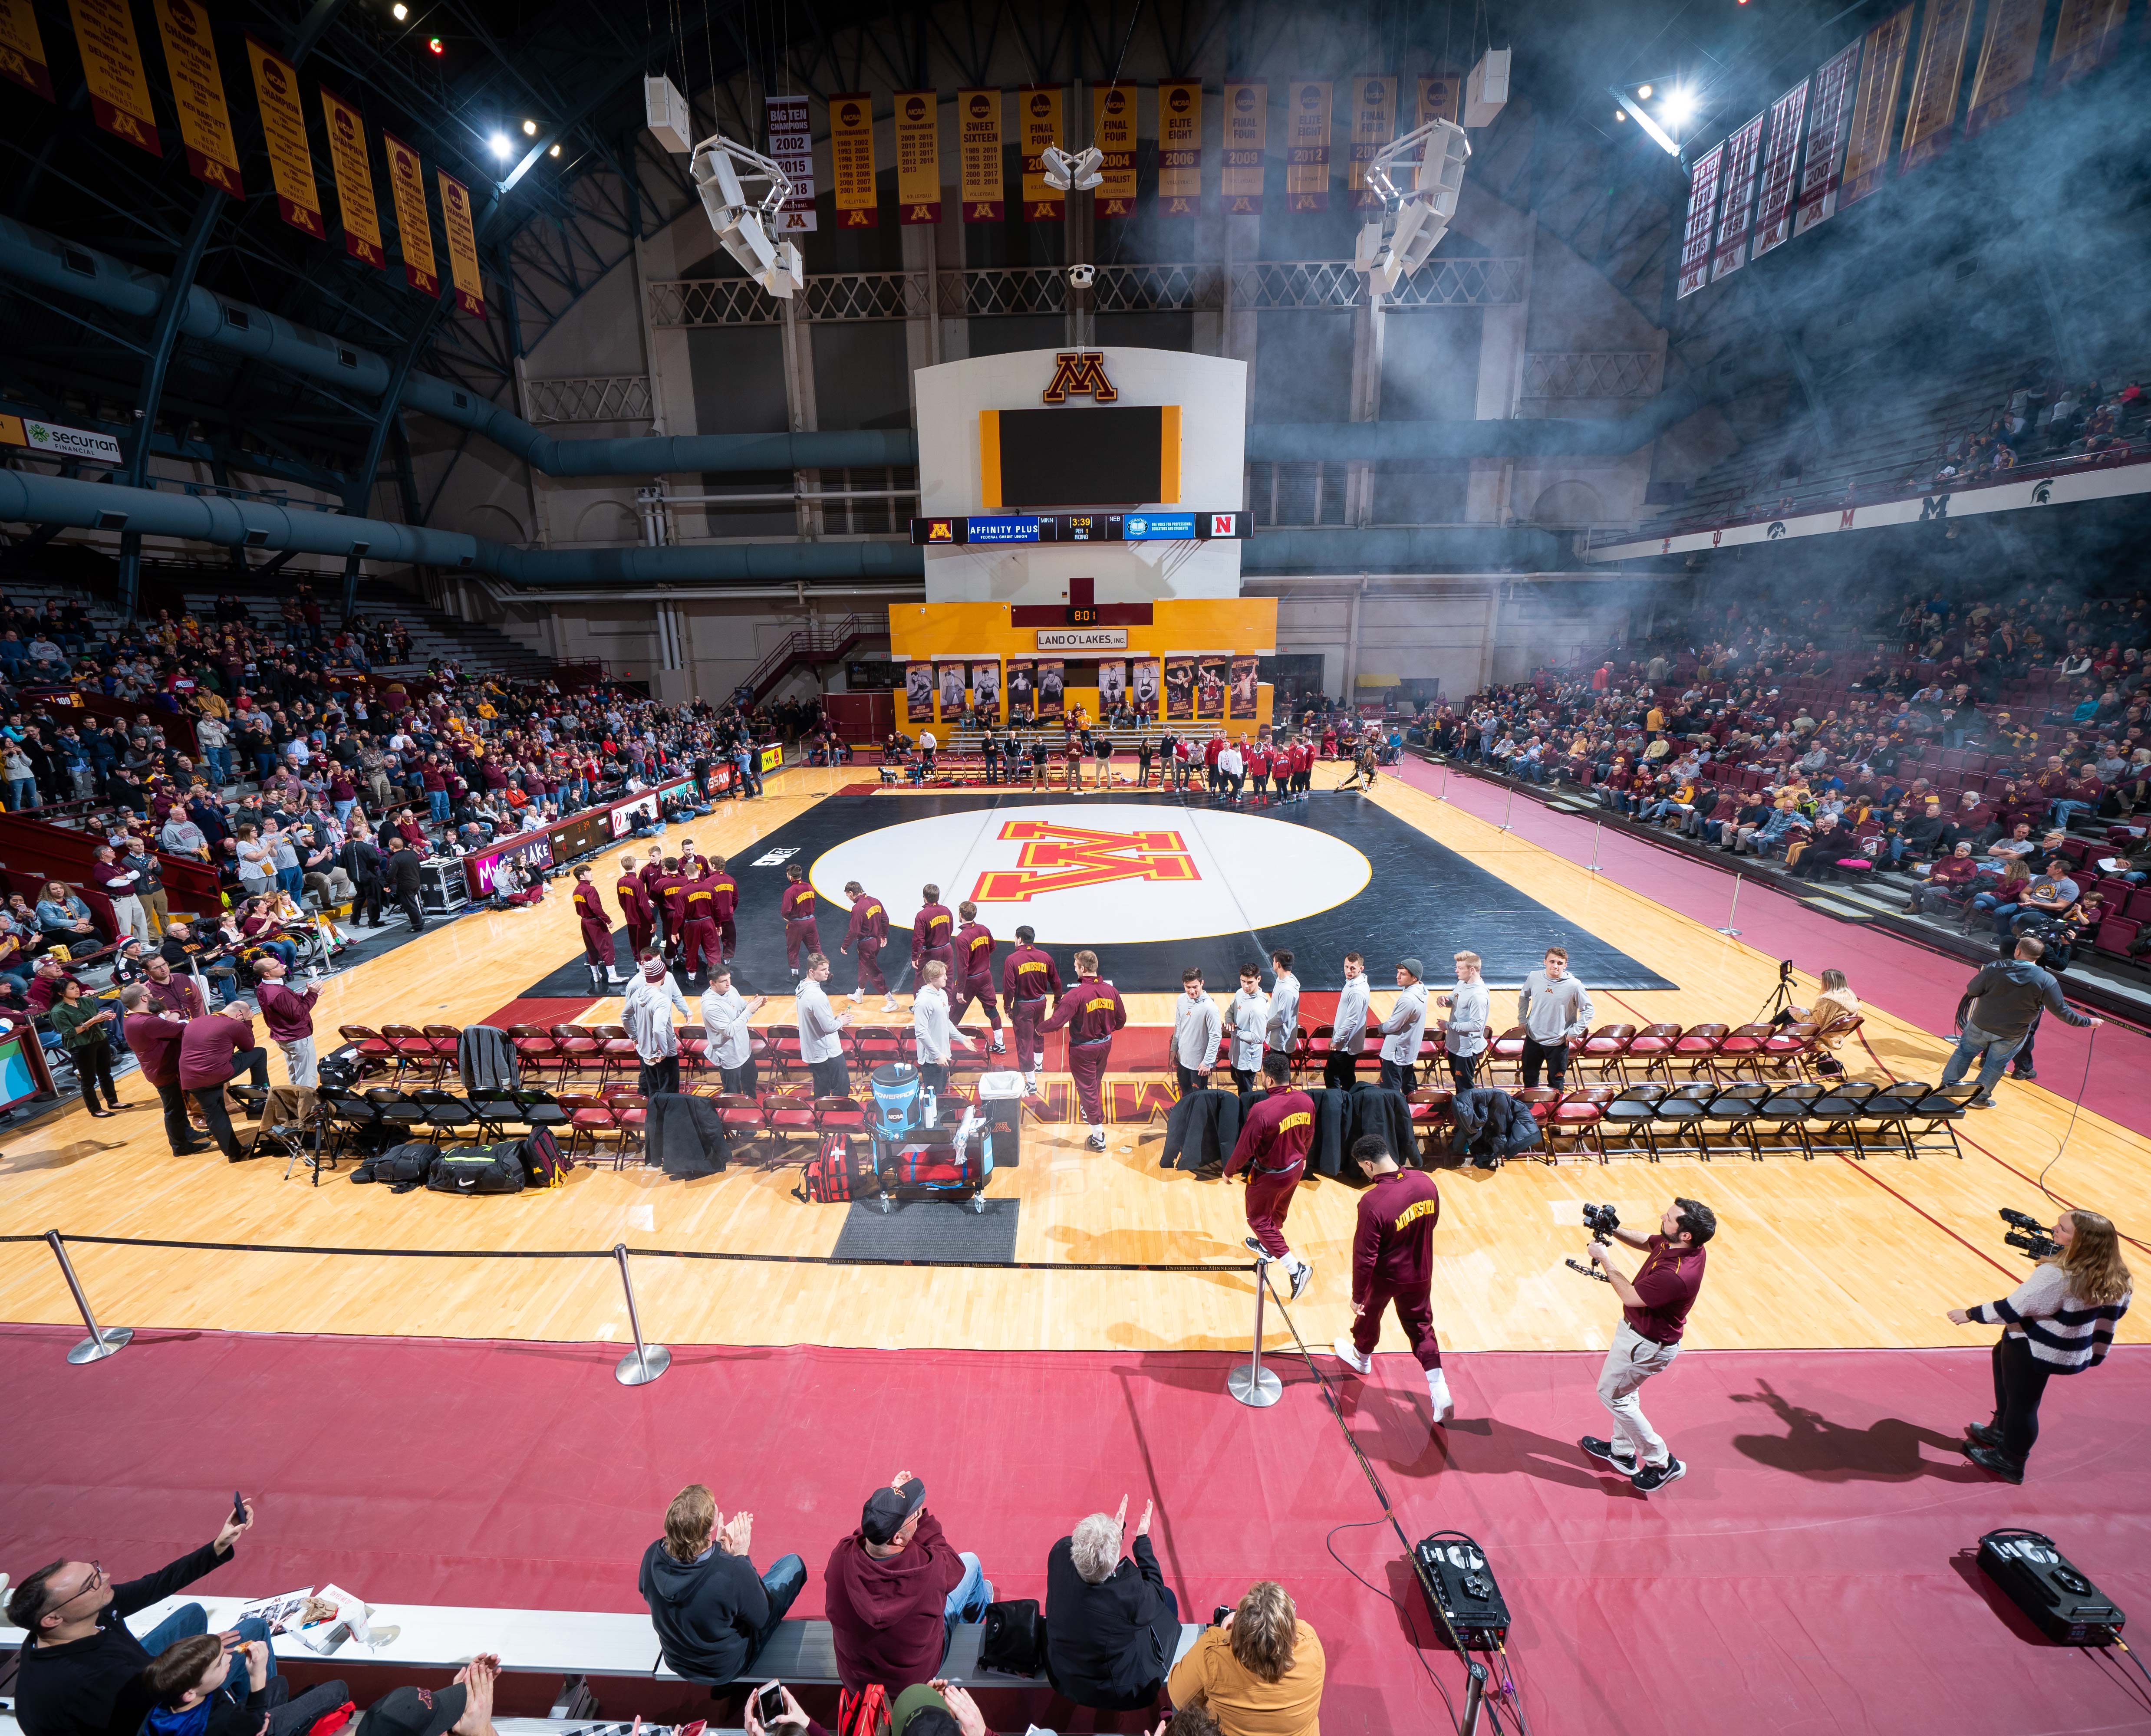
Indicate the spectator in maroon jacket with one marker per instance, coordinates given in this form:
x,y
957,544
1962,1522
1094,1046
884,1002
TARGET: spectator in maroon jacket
x,y
289,1014
895,1588
213,1051
154,1036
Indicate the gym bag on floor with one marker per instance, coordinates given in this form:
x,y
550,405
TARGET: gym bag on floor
x,y
544,1164
402,1166
831,1173
479,1169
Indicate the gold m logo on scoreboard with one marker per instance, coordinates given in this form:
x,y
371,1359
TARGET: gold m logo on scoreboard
x,y
1062,858
1083,372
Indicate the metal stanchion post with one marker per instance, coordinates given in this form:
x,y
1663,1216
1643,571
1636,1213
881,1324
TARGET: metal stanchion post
x,y
645,1362
1507,807
1733,910
1251,1383
1597,827
103,1342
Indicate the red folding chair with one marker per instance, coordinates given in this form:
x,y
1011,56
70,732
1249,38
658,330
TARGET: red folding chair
x,y
581,1052
617,1055
1695,1050
535,1052
1578,1117
1653,1047
631,1111
416,1060
1603,1051
588,1117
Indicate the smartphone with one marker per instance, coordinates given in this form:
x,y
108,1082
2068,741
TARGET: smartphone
x,y
238,1508
769,1704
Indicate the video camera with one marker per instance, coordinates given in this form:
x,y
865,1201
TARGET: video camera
x,y
2028,1233
1602,1221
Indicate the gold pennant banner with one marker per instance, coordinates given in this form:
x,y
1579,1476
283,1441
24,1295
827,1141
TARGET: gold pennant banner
x,y
852,159
23,49
1246,147
1373,125
1875,110
1038,125
1113,131
197,88
2003,81
112,69
1936,81
979,154
1307,144
353,174
284,130
2086,35
918,156
1440,95
462,245
414,228
1179,147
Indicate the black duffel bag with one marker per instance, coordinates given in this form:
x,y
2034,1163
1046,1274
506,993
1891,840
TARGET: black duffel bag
x,y
479,1169
402,1166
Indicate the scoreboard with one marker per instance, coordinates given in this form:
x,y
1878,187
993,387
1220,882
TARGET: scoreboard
x,y
987,529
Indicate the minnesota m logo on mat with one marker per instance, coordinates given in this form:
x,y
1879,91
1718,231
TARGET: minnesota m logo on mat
x,y
1061,858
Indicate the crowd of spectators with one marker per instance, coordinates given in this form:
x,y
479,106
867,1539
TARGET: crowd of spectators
x,y
2044,418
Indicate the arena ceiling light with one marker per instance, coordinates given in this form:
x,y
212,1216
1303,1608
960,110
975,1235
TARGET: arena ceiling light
x,y
722,172
1081,172
1662,107
500,145
1420,176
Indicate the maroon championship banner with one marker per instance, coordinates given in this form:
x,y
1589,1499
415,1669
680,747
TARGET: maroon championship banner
x,y
1774,208
1702,220
1744,151
1829,124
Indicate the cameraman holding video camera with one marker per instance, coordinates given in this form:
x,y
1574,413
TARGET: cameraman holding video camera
x,y
1654,1308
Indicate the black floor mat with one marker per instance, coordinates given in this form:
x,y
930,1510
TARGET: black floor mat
x,y
931,1230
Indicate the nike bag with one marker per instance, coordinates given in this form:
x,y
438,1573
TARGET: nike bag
x,y
478,1169
863,1711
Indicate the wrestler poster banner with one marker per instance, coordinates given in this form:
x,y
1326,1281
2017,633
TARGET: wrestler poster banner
x,y
462,245
1373,125
1736,216
986,688
918,156
23,50
1021,674
284,131
918,692
1774,206
1179,688
2085,36
1038,126
1936,81
2004,78
952,688
1875,110
1143,679
1179,147
197,91
851,159
1243,688
1113,131
1112,687
1052,686
979,154
1307,144
1247,148
414,228
1210,672
1829,124
1701,220
112,69
353,175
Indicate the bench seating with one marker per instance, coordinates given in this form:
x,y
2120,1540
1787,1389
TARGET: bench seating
x,y
802,1650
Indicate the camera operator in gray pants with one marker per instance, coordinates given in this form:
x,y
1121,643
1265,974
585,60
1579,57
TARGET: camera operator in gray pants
x,y
1654,1307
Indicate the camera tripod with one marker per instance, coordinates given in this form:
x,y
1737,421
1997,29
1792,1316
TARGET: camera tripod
x,y
1781,996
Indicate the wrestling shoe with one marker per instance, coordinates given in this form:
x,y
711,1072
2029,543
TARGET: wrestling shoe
x,y
1256,1248
1990,1461
1348,1353
1652,1478
1096,1142
1437,1393
1625,1463
1302,1275
1980,1434
1000,1047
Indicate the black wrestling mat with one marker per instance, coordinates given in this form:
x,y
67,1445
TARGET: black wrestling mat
x,y
1153,885
937,1229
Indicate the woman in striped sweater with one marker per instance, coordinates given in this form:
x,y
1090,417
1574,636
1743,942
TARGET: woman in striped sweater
x,y
2058,1321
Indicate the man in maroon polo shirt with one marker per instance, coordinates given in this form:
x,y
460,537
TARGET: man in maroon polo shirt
x,y
212,1051
1091,1011
1654,1307
154,1036
1393,1261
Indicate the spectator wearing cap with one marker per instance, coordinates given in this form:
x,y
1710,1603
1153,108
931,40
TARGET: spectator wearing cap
x,y
1259,1673
1111,1622
895,1588
464,1707
1403,1028
712,1612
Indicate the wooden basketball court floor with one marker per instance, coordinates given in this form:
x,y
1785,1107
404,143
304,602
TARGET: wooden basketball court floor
x,y
1833,1253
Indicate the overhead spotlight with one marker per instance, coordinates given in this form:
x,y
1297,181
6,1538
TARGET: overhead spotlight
x,y
530,129
721,170
1082,171
1620,114
1428,162
1644,91
1679,107
399,12
554,152
500,145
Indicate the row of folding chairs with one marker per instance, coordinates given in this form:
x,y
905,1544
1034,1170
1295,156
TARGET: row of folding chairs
x,y
1853,1117
1626,1052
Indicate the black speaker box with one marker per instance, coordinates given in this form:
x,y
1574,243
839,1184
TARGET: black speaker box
x,y
1453,1574
2061,1600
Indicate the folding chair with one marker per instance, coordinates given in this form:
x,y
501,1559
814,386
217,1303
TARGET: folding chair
x,y
877,1045
631,1114
1428,1108
1506,1049
445,1112
371,1045
1784,1054
1543,1101
1736,1108
1741,1047
1940,1111
350,1116
1602,1052
1652,1045
617,1055
539,1109
536,1051
1836,1114
396,1110
784,1056
839,1115
791,1116
1629,1112
1785,1113
1684,1107
1579,1117
444,1039
413,1054
1695,1050
588,1117
581,1053
1887,1110
495,1112
741,1116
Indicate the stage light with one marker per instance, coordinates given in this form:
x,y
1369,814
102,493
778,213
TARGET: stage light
x,y
1620,114
1644,91
437,45
721,168
399,10
554,152
1062,172
500,145
1679,107
530,129
1423,208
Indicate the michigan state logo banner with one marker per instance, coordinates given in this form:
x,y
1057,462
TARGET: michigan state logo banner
x,y
198,90
1246,147
23,50
112,69
1307,146
917,157
979,154
851,160
1179,147
353,174
1039,107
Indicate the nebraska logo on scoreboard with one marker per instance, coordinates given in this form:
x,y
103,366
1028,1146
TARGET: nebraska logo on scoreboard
x,y
1059,858
1224,524
1080,372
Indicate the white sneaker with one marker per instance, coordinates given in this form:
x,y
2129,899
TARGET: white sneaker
x,y
1000,1047
1096,1142
857,996
1302,1275
888,1003
1437,1392
1348,1353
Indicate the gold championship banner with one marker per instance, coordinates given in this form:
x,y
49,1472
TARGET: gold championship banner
x,y
354,181
851,159
462,245
198,89
1038,125
1246,147
406,188
1113,131
918,156
284,131
1875,109
112,69
1307,146
23,50
1373,125
1935,83
2085,36
979,154
2003,81
1440,95
1179,147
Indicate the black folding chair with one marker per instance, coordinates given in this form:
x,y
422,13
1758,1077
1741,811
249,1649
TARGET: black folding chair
x,y
539,1109
1630,1114
1684,1110
1885,1111
398,1112
445,1112
350,1116
1836,1115
1785,1111
496,1111
1938,1112
1736,1108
